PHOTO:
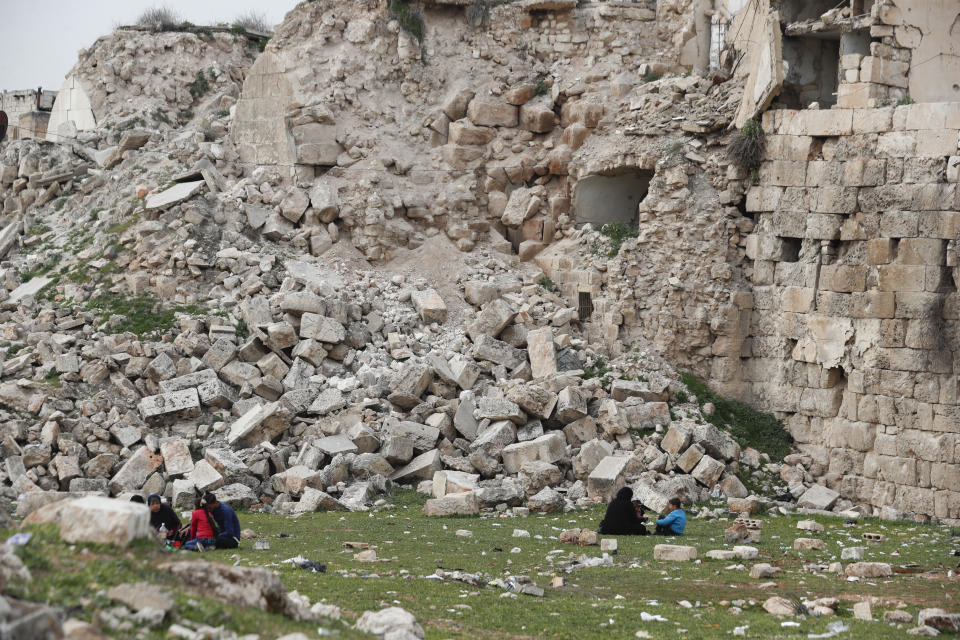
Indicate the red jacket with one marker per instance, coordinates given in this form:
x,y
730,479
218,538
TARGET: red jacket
x,y
200,525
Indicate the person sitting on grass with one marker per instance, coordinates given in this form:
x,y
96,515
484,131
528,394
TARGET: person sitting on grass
x,y
622,517
228,525
163,515
203,532
674,523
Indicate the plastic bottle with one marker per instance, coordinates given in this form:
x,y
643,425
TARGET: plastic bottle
x,y
162,532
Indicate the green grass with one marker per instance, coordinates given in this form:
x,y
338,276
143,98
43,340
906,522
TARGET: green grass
x,y
750,427
616,233
412,547
142,315
77,577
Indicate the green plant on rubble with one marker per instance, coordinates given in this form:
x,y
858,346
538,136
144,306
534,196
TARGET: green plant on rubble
x,y
746,149
547,284
617,232
142,315
751,428
410,19
200,85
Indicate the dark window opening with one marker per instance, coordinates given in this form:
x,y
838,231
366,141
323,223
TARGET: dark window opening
x,y
585,307
813,72
791,249
611,197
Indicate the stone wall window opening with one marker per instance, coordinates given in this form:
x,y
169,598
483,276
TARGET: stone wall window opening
x,y
584,306
813,71
611,196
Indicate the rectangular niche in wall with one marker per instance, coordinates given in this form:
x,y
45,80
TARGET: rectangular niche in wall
x,y
610,197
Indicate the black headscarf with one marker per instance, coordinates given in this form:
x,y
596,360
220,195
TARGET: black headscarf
x,y
621,517
165,516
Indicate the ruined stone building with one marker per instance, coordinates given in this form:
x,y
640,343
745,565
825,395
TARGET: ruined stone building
x,y
819,283
27,112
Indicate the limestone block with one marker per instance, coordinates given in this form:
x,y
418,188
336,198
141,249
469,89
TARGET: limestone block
x,y
463,132
818,497
499,409
898,277
135,471
607,477
675,440
446,482
420,468
540,349
571,405
328,401
591,454
537,118
492,319
869,570
429,305
176,457
733,488
452,504
674,553
809,544
690,458
823,122
708,471
204,477
184,403
492,112
455,105
493,350
260,423
104,521
332,445
424,437
464,372
533,399
408,385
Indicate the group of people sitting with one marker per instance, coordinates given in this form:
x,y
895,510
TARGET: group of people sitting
x,y
626,517
213,524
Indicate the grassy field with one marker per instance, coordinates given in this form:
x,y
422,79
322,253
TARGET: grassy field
x,y
597,602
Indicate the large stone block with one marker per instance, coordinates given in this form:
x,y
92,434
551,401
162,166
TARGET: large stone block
x,y
818,497
465,504
492,319
182,403
571,405
135,471
408,385
493,350
492,112
104,521
543,356
176,457
420,468
607,478
674,553
429,305
708,471
260,423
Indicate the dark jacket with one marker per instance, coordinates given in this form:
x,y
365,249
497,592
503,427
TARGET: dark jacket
x,y
227,521
621,517
165,516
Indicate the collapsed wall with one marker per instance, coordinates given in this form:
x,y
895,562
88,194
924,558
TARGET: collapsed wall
x,y
135,77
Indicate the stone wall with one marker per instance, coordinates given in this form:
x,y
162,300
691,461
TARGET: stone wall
x,y
854,308
19,103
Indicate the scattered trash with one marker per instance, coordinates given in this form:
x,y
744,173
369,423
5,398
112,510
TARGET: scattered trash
x,y
741,631
310,565
261,545
19,539
789,623
833,629
651,617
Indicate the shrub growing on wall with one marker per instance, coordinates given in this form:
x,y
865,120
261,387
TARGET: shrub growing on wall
x,y
747,147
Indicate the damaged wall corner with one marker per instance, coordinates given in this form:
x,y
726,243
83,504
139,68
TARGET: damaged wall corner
x,y
756,33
